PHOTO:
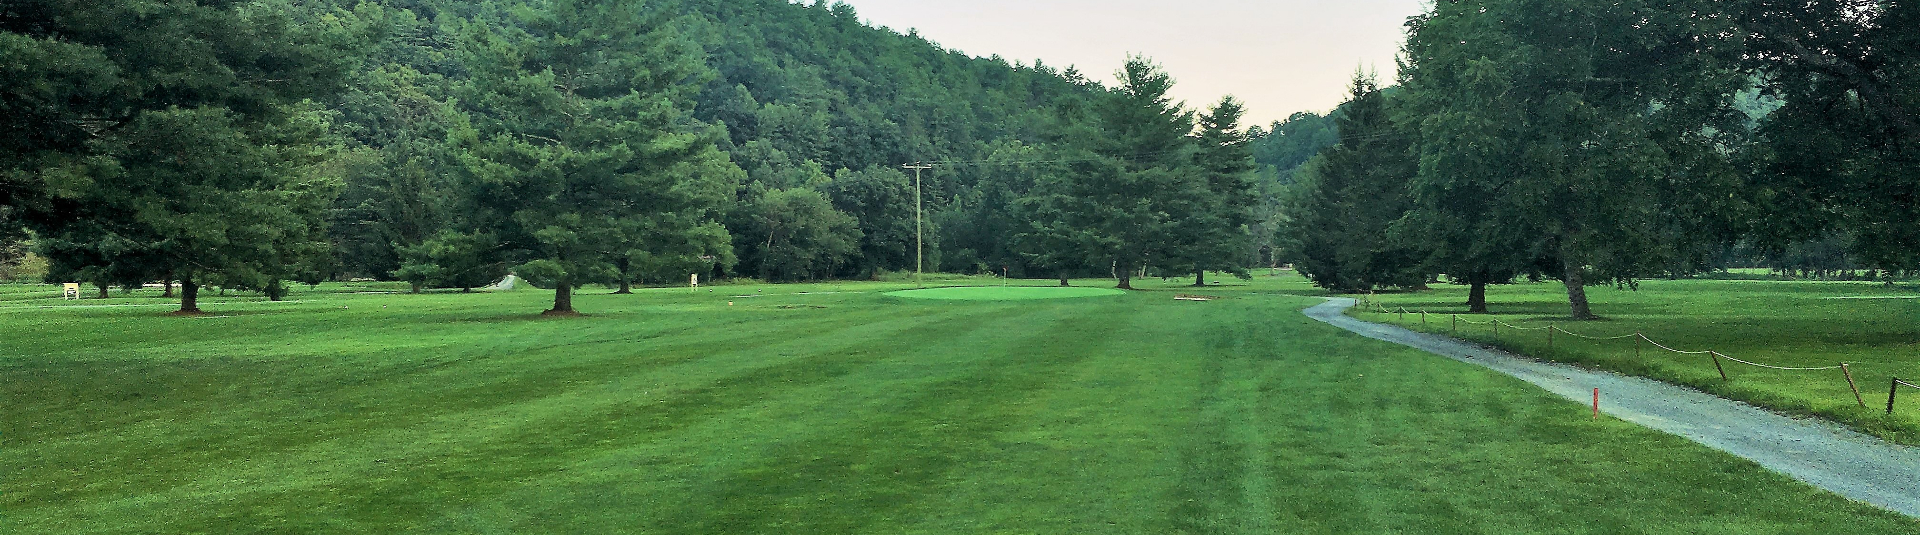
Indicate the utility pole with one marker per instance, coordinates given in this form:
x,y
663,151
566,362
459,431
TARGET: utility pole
x,y
919,241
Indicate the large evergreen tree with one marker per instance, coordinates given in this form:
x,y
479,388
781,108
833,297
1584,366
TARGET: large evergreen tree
x,y
1344,210
1118,198
167,139
1213,233
581,150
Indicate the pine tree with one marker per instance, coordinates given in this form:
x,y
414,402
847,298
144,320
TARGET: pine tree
x,y
581,150
138,157
1350,198
1214,234
1117,198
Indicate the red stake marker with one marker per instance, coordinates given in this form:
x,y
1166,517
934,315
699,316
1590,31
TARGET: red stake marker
x,y
1596,404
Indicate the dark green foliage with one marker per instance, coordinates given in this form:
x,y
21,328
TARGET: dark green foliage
x,y
1575,131
881,202
1213,235
581,152
452,259
805,237
1118,198
1041,230
1843,149
1344,211
807,89
150,140
79,73
400,187
1286,145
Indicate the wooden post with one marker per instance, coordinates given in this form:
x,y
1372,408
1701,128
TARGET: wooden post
x,y
1423,319
1891,392
1596,404
1456,324
1717,366
1850,384
1637,337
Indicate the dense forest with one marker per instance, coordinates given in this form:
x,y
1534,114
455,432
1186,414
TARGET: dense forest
x,y
253,145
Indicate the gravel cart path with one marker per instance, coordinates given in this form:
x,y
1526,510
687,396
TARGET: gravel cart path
x,y
1820,453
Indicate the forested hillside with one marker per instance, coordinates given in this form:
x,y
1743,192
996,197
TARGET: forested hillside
x,y
817,108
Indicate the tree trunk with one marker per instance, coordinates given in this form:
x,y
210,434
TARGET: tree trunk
x,y
1126,277
562,299
626,282
103,291
1477,297
189,295
1200,277
168,285
276,291
1063,279
414,287
1577,292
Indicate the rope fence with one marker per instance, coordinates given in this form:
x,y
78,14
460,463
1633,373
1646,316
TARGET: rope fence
x,y
1551,330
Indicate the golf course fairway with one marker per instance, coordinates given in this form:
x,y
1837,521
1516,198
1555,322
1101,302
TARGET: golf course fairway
x,y
837,410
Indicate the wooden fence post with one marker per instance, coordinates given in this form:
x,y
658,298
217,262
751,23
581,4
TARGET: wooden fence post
x,y
1891,392
1717,366
1852,385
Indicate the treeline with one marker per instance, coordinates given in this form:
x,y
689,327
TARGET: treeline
x,y
257,144
1604,142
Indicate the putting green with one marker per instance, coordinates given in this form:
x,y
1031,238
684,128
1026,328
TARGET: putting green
x,y
1005,293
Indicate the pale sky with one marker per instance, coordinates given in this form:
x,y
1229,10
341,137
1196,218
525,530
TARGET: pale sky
x,y
1279,56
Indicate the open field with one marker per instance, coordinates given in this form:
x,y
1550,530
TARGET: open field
x,y
1873,328
838,411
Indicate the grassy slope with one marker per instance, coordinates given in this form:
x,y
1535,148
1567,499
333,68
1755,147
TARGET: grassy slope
x,y
670,412
1790,324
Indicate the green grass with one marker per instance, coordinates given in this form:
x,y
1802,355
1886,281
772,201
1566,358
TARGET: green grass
x,y
1872,327
838,411
1006,293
